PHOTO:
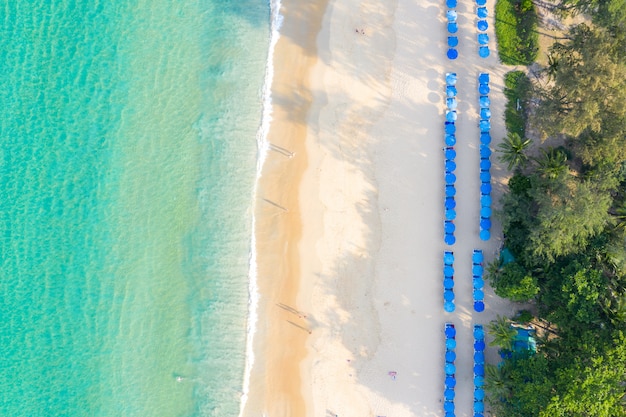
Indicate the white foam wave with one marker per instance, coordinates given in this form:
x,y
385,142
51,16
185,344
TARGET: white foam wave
x,y
276,20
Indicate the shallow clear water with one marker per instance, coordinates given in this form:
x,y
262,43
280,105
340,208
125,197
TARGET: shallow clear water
x,y
127,161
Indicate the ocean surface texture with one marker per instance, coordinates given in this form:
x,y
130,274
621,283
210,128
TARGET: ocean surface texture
x,y
128,159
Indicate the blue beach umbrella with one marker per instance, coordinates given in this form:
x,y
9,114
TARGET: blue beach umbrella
x,y
451,103
450,344
448,227
452,53
448,283
477,270
450,140
453,28
450,165
479,306
481,2
479,345
448,306
483,89
485,212
451,414
485,125
450,381
485,176
448,394
477,257
448,406
478,283
453,42
450,178
448,271
481,25
485,200
485,138
485,151
479,406
483,39
450,116
485,224
477,415
451,16
450,214
485,113
481,12
451,4
485,235
449,127
450,191
479,370
450,89
483,78
450,203
450,332
485,164
479,394
448,258
483,51
479,295
479,381
450,153
451,78
479,332
450,356
450,369
485,187
449,239
448,295
484,101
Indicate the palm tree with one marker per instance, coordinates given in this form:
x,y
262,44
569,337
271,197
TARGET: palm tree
x,y
513,150
502,332
497,383
552,162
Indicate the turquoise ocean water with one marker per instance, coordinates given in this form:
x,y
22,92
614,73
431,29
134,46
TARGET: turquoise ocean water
x,y
128,157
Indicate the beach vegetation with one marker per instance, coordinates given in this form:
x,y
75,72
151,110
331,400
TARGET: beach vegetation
x,y
517,89
516,31
513,151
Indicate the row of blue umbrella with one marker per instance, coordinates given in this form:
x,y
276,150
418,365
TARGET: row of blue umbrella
x,y
481,25
453,28
449,159
485,156
448,281
450,370
478,281
479,370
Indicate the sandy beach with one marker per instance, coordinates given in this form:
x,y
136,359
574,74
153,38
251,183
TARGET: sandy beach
x,y
350,211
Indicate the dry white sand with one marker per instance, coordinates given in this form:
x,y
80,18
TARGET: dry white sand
x,y
371,203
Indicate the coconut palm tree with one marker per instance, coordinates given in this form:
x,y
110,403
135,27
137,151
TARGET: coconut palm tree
x,y
552,162
497,383
502,332
513,150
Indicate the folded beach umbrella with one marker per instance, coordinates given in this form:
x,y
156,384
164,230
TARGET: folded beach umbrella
x,y
448,258
485,164
448,295
452,53
485,151
485,235
479,370
479,406
451,15
485,113
450,89
479,306
450,343
448,394
453,28
451,103
482,25
477,269
450,381
450,116
479,332
450,203
448,306
483,89
479,394
483,51
479,283
485,138
479,345
485,212
450,356
450,178
479,381
485,125
450,214
450,140
481,12
448,271
477,256
485,223
485,201
451,78
483,39
484,101
449,239
483,78
450,191
448,284
450,165
448,406
448,226
450,369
